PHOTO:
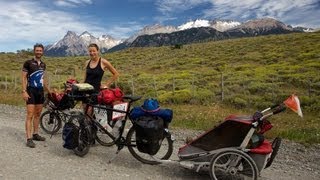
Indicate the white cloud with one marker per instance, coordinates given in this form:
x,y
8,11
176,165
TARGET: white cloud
x,y
27,22
125,30
72,3
173,6
289,11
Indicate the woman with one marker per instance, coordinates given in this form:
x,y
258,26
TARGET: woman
x,y
95,68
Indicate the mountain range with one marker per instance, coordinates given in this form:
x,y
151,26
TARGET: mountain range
x,y
158,35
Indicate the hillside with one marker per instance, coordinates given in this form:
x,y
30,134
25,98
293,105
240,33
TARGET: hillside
x,y
253,71
204,82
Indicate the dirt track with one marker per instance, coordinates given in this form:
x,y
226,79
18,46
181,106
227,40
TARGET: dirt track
x,y
49,160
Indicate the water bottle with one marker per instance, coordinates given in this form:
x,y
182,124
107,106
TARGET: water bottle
x,y
116,128
102,118
105,124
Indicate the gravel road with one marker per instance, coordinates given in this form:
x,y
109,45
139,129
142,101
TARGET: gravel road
x,y
49,160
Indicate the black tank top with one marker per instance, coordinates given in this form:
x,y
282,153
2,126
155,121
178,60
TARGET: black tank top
x,y
94,75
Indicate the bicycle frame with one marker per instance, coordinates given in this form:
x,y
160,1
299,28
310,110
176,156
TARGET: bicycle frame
x,y
120,140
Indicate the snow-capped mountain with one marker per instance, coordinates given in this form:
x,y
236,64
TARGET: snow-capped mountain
x,y
152,29
107,41
194,24
72,44
224,25
158,35
220,25
202,30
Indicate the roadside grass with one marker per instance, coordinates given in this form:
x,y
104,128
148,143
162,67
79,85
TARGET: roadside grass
x,y
287,125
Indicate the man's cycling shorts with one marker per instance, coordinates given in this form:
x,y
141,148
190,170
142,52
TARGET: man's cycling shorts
x,y
36,95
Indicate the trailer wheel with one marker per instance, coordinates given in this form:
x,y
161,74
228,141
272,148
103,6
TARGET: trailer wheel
x,y
233,164
275,148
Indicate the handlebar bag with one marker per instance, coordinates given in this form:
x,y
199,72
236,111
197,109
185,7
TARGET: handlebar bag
x,y
61,101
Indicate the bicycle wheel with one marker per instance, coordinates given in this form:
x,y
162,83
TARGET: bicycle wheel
x,y
103,138
84,136
50,122
275,148
233,164
164,152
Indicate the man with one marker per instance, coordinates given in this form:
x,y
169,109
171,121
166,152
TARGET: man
x,y
33,84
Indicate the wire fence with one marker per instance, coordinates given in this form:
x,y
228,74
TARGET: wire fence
x,y
200,87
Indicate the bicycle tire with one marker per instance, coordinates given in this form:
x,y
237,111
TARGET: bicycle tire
x,y
142,157
50,122
275,148
233,164
84,136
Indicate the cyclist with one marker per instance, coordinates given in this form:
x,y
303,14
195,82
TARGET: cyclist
x,y
33,82
95,68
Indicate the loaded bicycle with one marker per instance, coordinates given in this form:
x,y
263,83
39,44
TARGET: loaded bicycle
x,y
58,109
112,131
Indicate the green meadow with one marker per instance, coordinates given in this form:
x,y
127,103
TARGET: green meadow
x,y
205,82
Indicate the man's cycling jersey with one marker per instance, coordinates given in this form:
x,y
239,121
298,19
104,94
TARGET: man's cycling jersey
x,y
35,73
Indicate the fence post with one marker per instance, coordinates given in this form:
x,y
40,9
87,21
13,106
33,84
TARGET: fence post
x,y
132,85
155,86
193,91
173,84
14,79
222,87
309,88
6,83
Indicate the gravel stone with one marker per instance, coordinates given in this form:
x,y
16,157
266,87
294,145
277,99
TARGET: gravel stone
x,y
49,160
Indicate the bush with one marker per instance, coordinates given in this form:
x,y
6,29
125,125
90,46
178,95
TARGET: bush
x,y
181,96
237,102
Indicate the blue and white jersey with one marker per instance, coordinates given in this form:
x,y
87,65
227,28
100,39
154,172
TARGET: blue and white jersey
x,y
35,73
36,79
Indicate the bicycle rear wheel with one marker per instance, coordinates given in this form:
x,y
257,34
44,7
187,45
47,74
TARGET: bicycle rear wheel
x,y
164,152
84,136
50,122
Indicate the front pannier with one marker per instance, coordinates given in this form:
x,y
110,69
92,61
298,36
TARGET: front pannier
x,y
149,133
70,134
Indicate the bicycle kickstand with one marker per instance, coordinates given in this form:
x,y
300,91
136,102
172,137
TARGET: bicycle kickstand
x,y
120,145
114,156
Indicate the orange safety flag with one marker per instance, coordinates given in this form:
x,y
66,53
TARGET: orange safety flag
x,y
294,104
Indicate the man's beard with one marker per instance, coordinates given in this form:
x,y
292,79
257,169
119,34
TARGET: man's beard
x,y
38,56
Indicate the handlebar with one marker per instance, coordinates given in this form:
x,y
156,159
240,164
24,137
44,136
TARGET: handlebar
x,y
280,108
275,109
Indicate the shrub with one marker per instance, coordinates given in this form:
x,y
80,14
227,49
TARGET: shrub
x,y
181,96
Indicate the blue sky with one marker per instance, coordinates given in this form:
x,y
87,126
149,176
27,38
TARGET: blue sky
x,y
25,22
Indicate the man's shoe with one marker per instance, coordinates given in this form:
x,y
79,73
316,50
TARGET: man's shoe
x,y
30,143
37,137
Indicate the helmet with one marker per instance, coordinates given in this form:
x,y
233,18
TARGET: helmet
x,y
151,105
71,81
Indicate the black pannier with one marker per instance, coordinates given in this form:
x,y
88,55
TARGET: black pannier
x,y
70,135
149,133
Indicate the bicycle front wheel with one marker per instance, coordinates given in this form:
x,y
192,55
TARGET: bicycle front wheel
x,y
50,122
164,152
